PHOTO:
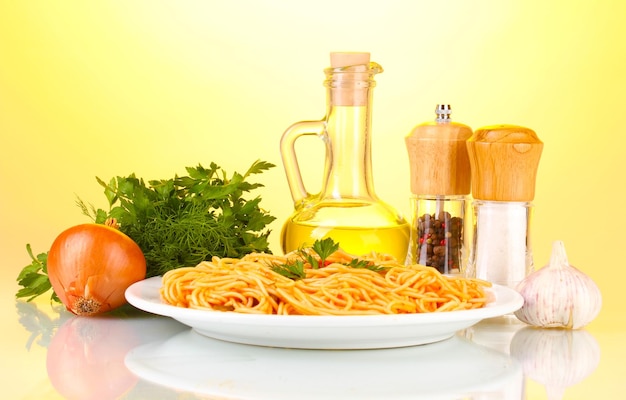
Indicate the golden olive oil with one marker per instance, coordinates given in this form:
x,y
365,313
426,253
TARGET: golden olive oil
x,y
362,230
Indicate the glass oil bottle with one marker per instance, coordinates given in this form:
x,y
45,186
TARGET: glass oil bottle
x,y
440,185
504,160
346,208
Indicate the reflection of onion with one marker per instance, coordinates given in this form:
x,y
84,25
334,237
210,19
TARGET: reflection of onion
x,y
85,358
556,358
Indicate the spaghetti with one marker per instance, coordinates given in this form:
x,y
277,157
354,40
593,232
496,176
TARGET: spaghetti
x,y
250,285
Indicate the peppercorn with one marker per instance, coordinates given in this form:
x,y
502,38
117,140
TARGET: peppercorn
x,y
442,235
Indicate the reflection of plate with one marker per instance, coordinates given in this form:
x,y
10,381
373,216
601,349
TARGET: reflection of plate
x,y
323,332
451,368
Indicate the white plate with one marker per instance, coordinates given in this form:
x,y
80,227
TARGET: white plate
x,y
450,369
323,332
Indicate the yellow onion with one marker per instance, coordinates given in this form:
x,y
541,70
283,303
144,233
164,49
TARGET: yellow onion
x,y
90,266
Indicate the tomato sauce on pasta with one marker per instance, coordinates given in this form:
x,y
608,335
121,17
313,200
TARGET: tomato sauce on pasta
x,y
250,285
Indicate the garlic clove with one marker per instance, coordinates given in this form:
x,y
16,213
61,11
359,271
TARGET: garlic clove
x,y
556,358
559,295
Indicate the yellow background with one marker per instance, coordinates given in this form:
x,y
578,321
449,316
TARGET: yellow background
x,y
110,88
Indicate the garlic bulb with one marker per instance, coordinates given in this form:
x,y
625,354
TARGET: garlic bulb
x,y
556,358
558,295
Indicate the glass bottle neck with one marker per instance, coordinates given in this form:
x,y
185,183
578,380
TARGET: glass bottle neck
x,y
348,123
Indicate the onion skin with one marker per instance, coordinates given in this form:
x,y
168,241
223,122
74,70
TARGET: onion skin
x,y
90,266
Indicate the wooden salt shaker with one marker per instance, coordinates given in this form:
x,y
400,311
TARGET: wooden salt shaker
x,y
440,183
504,161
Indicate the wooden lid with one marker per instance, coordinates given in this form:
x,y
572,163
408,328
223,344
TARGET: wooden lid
x,y
438,158
504,161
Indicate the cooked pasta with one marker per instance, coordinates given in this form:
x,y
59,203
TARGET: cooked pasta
x,y
250,285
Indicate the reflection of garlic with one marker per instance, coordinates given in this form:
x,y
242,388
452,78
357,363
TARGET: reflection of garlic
x,y
558,295
556,358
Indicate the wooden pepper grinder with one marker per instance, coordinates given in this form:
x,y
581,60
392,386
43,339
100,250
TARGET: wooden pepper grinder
x,y
504,161
440,183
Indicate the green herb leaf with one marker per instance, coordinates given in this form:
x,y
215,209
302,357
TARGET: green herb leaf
x,y
358,263
292,271
34,277
324,248
258,167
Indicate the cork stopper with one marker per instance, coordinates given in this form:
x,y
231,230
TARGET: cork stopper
x,y
438,158
504,161
347,59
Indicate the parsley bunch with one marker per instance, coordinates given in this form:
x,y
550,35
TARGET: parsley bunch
x,y
187,219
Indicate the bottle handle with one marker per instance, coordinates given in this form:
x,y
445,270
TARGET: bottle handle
x,y
290,160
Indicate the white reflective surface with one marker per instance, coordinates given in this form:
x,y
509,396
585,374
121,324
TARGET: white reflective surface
x,y
207,366
136,355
